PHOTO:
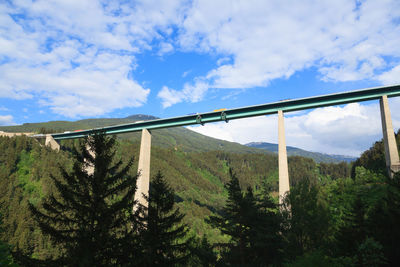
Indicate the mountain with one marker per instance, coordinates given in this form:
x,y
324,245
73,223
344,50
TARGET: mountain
x,y
294,151
178,138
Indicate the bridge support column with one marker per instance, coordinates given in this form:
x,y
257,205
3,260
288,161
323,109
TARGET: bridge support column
x,y
391,152
143,182
51,142
89,168
282,157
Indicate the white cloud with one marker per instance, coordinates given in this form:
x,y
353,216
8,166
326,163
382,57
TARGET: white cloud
x,y
191,92
165,48
184,74
391,77
347,130
266,40
170,96
6,120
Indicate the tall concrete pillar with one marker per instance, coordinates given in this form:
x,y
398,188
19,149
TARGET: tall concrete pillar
x,y
282,157
391,152
90,167
51,142
143,182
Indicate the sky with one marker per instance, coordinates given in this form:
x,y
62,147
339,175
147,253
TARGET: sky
x,y
77,59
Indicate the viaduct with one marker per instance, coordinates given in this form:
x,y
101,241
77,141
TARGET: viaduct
x,y
281,107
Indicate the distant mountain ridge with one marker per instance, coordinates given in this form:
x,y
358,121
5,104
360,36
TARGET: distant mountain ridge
x,y
138,117
294,151
178,138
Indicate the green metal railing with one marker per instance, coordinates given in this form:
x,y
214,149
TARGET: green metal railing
x,y
244,112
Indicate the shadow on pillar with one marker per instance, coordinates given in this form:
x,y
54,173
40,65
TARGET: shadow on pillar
x,y
284,186
391,152
143,181
53,144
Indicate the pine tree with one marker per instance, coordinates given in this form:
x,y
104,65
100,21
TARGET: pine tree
x,y
353,231
384,219
253,225
89,216
202,253
306,220
162,232
5,251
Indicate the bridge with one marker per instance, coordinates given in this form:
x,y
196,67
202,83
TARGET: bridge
x,y
377,93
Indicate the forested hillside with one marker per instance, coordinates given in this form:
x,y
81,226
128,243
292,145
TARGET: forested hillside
x,y
197,178
334,217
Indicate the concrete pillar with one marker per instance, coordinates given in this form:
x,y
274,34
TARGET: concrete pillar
x,y
89,168
391,152
51,142
143,182
282,157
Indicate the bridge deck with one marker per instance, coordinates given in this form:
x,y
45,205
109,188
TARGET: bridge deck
x,y
244,112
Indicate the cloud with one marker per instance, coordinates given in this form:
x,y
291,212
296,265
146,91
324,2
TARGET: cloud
x,y
170,96
6,120
347,130
184,74
165,48
191,92
78,58
266,40
391,77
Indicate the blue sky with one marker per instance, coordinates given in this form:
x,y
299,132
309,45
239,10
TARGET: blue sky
x,y
73,59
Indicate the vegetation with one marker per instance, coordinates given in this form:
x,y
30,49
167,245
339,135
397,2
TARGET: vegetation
x,y
6,258
87,215
328,217
253,226
161,229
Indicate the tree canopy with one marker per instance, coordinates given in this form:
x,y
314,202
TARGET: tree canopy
x,y
88,214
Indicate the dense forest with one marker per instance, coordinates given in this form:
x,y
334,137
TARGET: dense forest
x,y
225,206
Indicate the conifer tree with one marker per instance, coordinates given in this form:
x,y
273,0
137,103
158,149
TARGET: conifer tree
x,y
89,215
384,219
353,231
161,230
253,225
5,251
202,253
306,220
